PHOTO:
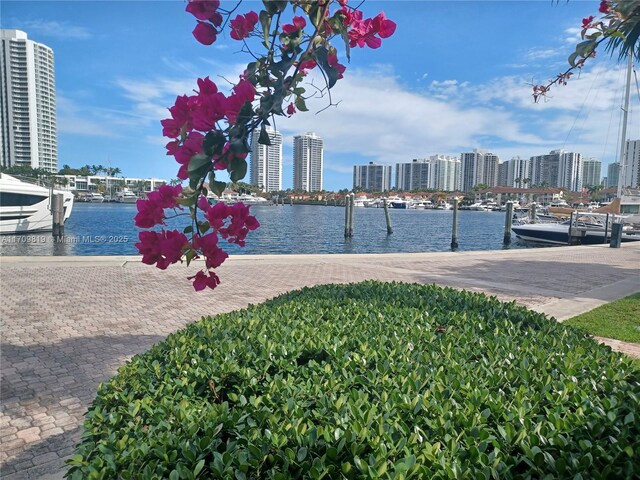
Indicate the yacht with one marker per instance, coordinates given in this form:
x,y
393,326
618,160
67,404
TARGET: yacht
x,y
26,207
95,197
126,196
586,229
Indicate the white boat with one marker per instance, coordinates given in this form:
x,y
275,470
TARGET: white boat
x,y
94,197
252,199
26,207
360,201
126,196
443,205
586,229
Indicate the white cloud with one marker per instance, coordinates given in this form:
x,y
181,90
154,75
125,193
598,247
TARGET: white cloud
x,y
542,54
48,28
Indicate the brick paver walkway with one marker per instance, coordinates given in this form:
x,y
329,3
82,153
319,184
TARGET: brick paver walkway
x,y
69,323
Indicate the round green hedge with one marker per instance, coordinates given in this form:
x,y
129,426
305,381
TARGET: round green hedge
x,y
370,380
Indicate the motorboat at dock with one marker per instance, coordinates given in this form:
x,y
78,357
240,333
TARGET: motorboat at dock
x,y
26,207
586,228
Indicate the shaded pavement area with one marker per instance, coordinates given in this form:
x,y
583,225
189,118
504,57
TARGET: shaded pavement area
x,y
68,323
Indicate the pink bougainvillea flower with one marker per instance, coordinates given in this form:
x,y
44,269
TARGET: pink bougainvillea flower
x,y
604,7
243,25
587,21
206,86
208,245
383,26
308,65
201,280
180,118
149,214
298,24
204,9
205,33
332,60
166,196
291,109
162,248
185,152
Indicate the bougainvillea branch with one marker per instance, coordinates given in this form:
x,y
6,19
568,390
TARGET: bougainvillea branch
x,y
618,29
209,130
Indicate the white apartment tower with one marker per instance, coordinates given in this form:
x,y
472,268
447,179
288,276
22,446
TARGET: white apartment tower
x,y
591,172
570,171
631,173
308,159
518,172
479,167
372,177
266,161
28,132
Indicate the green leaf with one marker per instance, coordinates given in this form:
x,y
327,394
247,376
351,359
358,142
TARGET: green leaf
x,y
300,104
198,468
331,73
238,170
265,21
217,187
629,418
213,143
198,162
174,475
264,139
302,454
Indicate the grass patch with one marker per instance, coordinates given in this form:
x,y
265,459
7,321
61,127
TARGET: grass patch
x,y
619,320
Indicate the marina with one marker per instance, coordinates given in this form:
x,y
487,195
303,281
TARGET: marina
x,y
298,229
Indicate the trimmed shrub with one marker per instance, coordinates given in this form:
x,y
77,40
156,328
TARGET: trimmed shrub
x,y
370,380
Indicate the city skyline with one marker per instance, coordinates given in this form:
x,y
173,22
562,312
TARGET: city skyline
x,y
114,86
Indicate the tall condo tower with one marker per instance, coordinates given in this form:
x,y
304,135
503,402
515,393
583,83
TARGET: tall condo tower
x,y
308,159
266,161
372,177
591,172
27,103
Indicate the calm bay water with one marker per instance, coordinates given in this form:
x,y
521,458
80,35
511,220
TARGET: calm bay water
x,y
108,229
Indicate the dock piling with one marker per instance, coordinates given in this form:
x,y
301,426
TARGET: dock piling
x,y
347,207
508,221
352,202
387,217
57,212
616,235
454,229
532,212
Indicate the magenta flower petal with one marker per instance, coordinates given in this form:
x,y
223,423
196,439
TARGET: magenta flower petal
x,y
205,33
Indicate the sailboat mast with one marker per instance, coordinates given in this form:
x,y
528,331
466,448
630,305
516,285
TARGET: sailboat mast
x,y
622,174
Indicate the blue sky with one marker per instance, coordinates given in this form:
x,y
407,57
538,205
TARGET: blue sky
x,y
455,76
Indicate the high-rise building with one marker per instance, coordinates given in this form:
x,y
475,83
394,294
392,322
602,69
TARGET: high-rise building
x,y
613,173
308,159
631,173
372,177
479,167
28,131
415,175
557,169
570,171
591,172
447,174
438,172
266,161
517,172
